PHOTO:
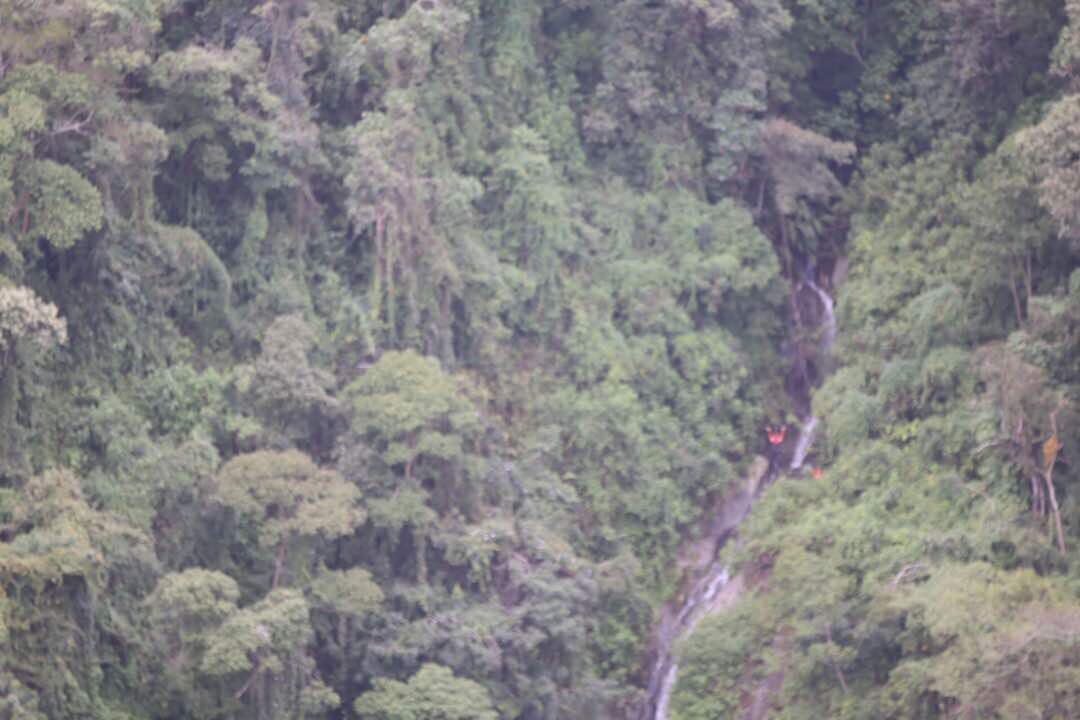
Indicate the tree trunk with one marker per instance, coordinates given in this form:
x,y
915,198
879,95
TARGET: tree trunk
x,y
1038,498
832,660
279,565
1027,276
251,679
1050,452
1049,476
1016,301
344,636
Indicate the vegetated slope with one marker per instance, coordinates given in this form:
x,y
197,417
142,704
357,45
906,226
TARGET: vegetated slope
x,y
368,358
931,571
371,358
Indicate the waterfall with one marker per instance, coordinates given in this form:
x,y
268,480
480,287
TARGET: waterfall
x,y
665,692
828,337
714,578
803,444
662,680
827,310
710,582
692,612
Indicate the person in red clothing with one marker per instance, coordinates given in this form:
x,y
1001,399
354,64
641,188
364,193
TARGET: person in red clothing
x,y
776,435
817,473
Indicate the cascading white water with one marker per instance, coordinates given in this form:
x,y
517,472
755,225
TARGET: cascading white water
x,y
828,336
675,625
665,671
715,577
665,692
704,593
827,310
804,443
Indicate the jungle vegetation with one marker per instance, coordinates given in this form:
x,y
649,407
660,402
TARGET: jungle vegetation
x,y
372,359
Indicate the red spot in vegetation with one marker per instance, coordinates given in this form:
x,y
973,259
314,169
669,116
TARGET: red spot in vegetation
x,y
817,473
776,435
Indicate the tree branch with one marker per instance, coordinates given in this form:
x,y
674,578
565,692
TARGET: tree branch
x,y
74,125
279,564
832,660
1050,452
251,678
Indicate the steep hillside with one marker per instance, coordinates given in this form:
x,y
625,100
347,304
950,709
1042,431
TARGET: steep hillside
x,y
375,359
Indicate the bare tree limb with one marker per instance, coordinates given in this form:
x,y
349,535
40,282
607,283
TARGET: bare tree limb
x,y
906,572
73,125
989,444
832,660
1050,452
251,679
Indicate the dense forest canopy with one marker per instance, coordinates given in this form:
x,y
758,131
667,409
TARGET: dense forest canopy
x,y
375,359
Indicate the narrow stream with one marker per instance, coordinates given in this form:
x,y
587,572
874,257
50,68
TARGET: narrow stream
x,y
677,622
828,337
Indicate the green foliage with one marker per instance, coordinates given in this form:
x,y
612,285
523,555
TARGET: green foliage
x,y
798,163
1049,144
286,497
278,624
180,401
268,639
432,694
716,661
63,205
183,614
27,322
536,234
390,340
170,271
418,419
347,592
66,570
995,654
20,702
287,393
190,603
909,580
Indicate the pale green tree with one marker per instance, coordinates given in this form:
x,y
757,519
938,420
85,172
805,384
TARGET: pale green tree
x,y
286,500
433,693
267,642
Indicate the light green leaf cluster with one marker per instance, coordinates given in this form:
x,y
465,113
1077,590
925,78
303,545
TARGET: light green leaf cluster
x,y
412,408
432,694
287,496
349,592
63,204
26,318
270,630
